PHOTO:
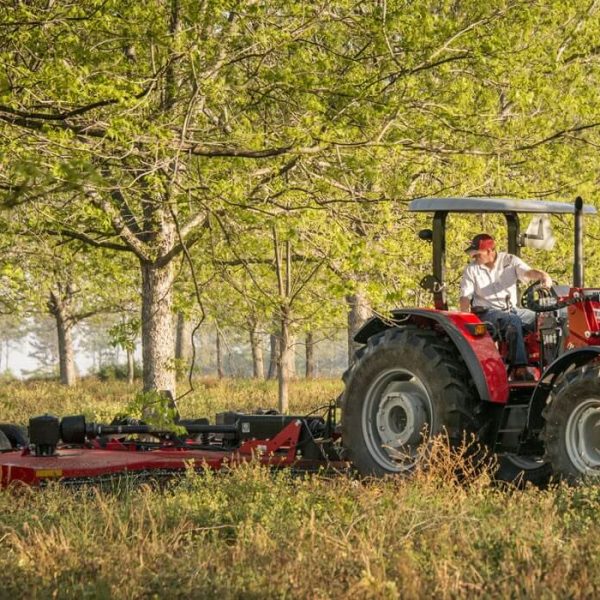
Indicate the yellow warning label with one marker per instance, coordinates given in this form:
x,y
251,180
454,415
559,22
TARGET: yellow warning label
x,y
48,473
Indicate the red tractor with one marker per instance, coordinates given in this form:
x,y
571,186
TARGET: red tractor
x,y
423,372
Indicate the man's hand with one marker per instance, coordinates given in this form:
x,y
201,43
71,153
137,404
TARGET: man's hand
x,y
546,280
464,304
540,276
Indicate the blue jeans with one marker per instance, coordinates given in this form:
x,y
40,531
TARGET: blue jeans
x,y
512,323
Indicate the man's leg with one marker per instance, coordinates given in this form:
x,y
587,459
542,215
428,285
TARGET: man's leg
x,y
528,318
510,324
516,343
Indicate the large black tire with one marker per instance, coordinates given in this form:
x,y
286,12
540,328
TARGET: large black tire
x,y
572,428
405,386
17,435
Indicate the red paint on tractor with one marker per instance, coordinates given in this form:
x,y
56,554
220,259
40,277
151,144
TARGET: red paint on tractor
x,y
583,318
492,366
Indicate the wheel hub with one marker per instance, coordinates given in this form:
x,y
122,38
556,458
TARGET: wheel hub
x,y
400,420
582,437
396,414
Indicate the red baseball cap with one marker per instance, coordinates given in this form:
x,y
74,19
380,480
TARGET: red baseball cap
x,y
481,241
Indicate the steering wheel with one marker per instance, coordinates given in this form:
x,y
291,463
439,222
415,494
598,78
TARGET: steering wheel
x,y
540,299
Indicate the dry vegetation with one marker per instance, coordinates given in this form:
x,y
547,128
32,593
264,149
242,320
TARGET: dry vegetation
x,y
254,533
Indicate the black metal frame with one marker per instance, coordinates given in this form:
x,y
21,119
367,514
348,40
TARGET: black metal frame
x,y
513,246
439,250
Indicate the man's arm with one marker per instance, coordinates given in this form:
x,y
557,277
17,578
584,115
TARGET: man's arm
x,y
467,289
535,274
526,273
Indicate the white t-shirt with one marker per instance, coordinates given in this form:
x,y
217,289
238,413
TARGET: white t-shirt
x,y
495,287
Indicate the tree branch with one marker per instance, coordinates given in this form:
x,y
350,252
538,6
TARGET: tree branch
x,y
83,237
556,135
120,227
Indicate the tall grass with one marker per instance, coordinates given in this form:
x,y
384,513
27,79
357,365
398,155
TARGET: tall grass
x,y
101,401
253,533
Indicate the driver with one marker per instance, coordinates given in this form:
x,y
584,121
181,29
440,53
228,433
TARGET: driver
x,y
489,289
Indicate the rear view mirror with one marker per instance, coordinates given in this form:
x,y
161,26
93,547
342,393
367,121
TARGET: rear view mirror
x,y
539,233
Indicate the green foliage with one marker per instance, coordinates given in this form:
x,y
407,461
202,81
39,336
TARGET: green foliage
x,y
156,409
136,126
124,334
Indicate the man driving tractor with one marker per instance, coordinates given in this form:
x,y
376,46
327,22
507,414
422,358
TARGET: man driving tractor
x,y
489,289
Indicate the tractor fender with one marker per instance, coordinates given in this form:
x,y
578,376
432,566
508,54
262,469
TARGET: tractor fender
x,y
478,352
573,358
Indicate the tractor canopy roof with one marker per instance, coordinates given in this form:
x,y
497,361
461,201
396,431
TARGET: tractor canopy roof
x,y
494,205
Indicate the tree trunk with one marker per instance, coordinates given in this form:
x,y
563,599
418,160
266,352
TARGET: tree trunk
x,y
66,354
359,310
183,341
310,371
258,366
158,342
219,355
291,356
283,361
274,342
59,307
130,366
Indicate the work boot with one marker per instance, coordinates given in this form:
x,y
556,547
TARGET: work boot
x,y
521,374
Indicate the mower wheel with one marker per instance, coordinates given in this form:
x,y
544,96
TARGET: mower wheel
x,y
572,430
17,435
520,470
4,443
406,386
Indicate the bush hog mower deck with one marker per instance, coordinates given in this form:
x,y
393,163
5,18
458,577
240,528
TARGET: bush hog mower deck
x,y
75,452
419,373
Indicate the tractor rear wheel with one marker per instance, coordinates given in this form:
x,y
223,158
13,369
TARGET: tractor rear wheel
x,y
406,386
572,430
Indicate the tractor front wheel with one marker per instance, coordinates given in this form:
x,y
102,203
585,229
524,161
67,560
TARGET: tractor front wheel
x,y
406,386
572,429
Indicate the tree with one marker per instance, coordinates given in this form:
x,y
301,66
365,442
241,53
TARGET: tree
x,y
143,133
137,127
66,281
124,335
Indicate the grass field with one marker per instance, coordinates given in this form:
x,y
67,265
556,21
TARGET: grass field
x,y
252,533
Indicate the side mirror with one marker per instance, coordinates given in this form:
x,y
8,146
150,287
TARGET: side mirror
x,y
539,234
426,235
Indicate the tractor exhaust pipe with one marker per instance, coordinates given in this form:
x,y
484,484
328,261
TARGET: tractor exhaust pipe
x,y
578,262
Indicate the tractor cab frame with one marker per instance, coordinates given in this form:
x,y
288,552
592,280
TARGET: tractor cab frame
x,y
511,209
